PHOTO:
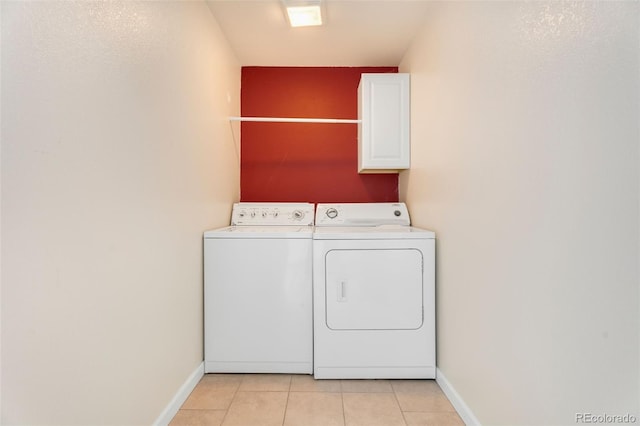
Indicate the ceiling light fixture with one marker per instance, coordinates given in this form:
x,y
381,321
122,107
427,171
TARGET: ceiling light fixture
x,y
303,13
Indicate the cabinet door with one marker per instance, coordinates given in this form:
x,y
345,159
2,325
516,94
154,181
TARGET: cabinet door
x,y
383,131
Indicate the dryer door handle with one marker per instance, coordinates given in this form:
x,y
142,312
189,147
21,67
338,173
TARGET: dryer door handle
x,y
342,291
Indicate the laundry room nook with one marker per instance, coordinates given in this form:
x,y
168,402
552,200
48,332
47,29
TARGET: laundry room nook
x,y
456,185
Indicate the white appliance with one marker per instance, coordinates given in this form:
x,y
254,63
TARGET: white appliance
x,y
374,290
258,290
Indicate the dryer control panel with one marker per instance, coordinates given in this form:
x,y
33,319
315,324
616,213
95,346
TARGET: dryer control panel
x,y
362,214
276,214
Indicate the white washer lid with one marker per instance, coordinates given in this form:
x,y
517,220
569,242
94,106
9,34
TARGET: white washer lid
x,y
383,232
252,232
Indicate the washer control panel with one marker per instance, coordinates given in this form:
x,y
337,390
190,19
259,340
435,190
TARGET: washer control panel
x,y
282,214
362,214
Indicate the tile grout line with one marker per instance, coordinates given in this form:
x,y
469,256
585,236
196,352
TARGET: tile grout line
x,y
235,392
344,411
395,395
286,404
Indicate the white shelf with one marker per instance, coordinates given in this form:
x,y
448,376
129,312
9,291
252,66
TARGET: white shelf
x,y
294,120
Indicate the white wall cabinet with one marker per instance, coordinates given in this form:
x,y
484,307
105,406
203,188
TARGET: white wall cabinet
x,y
383,129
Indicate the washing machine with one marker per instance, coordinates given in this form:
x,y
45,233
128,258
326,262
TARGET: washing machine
x,y
374,293
258,290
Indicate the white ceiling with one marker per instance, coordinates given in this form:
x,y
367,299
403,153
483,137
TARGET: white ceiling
x,y
356,33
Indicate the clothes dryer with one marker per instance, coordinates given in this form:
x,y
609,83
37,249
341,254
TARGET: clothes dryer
x,y
258,290
374,293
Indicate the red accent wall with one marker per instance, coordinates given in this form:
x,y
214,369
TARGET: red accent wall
x,y
306,162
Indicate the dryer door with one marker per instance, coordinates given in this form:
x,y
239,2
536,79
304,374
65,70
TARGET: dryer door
x,y
374,289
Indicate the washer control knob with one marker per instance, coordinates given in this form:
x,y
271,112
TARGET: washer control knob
x,y
397,213
298,214
264,213
275,213
332,213
242,213
253,214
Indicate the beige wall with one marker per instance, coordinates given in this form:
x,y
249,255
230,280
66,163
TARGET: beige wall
x,y
525,144
116,155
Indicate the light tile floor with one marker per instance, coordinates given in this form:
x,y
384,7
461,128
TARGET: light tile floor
x,y
300,400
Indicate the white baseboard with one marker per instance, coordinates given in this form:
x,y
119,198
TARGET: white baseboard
x,y
458,403
180,397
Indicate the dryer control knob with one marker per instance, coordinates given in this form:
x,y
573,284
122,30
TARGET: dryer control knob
x,y
397,213
298,214
332,213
